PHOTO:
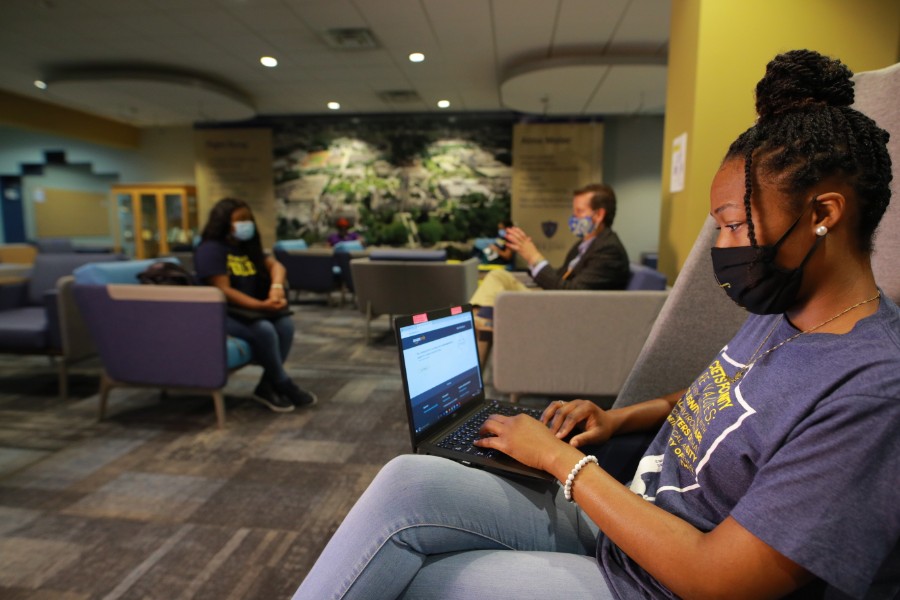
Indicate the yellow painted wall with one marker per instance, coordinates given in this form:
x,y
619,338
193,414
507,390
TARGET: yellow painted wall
x,y
718,51
28,113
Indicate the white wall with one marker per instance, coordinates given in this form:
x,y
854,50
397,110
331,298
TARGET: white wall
x,y
632,165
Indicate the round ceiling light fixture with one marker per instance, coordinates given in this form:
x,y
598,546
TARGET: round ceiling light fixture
x,y
334,105
416,57
269,61
443,104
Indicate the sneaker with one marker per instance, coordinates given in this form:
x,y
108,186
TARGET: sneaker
x,y
296,395
264,394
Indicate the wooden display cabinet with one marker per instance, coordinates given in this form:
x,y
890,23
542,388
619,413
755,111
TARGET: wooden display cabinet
x,y
155,219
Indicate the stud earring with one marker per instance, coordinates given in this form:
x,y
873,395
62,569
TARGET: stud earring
x,y
821,230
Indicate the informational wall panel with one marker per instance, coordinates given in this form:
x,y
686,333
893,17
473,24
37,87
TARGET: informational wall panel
x,y
549,162
237,163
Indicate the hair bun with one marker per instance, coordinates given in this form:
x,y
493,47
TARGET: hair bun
x,y
801,78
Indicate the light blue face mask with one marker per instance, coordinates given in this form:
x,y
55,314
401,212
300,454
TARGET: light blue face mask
x,y
244,230
581,226
501,233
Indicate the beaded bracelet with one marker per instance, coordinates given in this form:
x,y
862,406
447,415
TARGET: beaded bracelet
x,y
567,490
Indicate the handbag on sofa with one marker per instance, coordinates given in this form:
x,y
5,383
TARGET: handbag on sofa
x,y
166,273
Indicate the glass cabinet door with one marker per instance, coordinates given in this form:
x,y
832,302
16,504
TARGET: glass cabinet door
x,y
176,233
193,222
149,241
125,210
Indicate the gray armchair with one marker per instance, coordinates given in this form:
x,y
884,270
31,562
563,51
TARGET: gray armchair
x,y
573,343
577,343
399,287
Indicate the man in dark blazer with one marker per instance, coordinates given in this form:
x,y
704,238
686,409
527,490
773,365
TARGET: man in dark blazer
x,y
597,261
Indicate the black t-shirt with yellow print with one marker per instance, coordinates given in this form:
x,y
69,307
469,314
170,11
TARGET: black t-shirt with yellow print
x,y
213,258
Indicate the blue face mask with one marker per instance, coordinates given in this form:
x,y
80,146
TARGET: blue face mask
x,y
244,230
581,226
501,233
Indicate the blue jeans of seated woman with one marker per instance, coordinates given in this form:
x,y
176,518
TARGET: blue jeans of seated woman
x,y
270,340
430,528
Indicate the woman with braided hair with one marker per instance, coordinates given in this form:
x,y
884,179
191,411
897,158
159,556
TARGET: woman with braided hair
x,y
773,474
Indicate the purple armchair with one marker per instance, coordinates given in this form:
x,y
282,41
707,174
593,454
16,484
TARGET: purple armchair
x,y
159,336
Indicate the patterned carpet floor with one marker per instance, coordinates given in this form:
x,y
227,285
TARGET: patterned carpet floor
x,y
156,502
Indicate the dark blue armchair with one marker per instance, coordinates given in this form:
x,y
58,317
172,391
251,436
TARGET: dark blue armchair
x,y
39,316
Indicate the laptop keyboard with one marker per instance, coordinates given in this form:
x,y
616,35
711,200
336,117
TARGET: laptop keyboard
x,y
461,439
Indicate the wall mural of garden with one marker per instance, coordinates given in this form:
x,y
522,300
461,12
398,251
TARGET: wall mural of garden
x,y
398,180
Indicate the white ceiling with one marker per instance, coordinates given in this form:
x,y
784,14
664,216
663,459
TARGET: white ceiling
x,y
181,61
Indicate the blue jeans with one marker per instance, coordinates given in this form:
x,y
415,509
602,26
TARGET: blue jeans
x,y
428,527
270,340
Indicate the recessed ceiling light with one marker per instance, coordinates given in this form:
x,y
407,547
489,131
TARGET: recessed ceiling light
x,y
269,61
334,105
40,84
416,57
443,103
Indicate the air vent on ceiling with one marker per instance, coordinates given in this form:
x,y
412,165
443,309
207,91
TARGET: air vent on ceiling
x,y
350,39
399,96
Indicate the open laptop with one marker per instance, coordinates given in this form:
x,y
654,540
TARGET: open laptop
x,y
444,390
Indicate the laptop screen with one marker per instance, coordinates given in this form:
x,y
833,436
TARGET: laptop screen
x,y
439,364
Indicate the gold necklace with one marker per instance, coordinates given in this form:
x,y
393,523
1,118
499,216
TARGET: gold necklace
x,y
754,359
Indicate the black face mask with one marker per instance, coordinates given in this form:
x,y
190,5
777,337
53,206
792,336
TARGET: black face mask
x,y
751,278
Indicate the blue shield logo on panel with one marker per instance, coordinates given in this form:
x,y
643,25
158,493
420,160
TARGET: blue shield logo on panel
x,y
549,228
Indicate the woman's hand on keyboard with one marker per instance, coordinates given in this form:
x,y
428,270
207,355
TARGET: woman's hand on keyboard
x,y
526,439
563,417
